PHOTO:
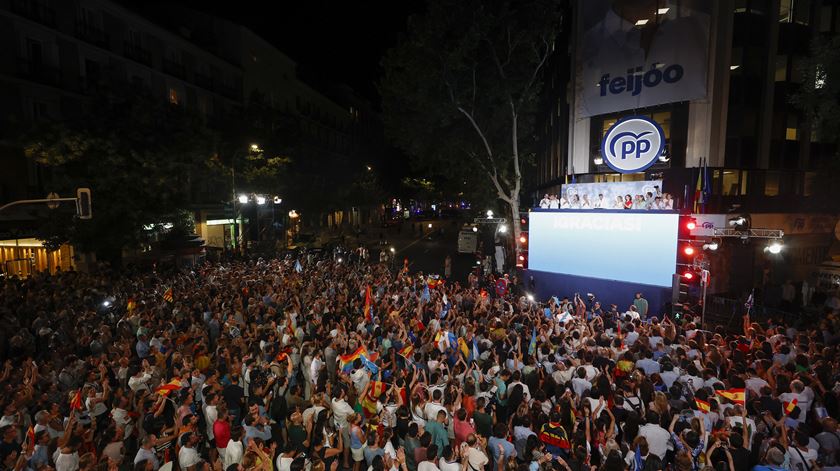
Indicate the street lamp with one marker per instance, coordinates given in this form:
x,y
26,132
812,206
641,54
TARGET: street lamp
x,y
255,147
243,199
278,200
489,213
260,200
503,228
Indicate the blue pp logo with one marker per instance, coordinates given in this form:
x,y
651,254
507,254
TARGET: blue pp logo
x,y
632,144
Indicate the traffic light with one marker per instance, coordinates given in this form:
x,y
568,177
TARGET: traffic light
x,y
690,223
83,204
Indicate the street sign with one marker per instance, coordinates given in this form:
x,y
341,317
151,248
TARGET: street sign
x,y
53,204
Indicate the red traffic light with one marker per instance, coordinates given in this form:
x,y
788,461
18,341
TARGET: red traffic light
x,y
522,239
691,224
688,250
688,275
521,258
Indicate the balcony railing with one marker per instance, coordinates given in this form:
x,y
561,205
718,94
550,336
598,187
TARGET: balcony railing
x,y
35,11
137,53
39,72
173,68
91,34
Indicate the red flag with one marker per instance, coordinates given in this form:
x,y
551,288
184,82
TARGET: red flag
x,y
789,406
76,401
735,395
167,388
704,406
30,436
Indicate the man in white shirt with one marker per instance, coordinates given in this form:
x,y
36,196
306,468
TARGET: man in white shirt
x,y
648,364
580,384
473,449
669,374
211,414
754,383
659,440
804,398
340,408
432,407
188,456
545,202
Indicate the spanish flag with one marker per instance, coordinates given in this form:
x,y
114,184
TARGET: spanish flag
x,y
368,402
130,305
735,395
406,351
702,405
368,306
167,295
167,388
30,436
76,400
346,361
789,406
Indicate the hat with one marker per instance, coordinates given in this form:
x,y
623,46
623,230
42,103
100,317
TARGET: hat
x,y
774,456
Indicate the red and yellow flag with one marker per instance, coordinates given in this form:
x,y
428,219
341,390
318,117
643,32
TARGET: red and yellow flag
x,y
76,400
406,351
30,436
789,406
130,305
167,295
368,306
735,395
368,402
167,388
702,405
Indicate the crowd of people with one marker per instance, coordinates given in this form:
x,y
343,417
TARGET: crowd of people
x,y
648,201
316,365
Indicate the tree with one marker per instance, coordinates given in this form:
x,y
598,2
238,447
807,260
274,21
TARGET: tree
x,y
819,98
140,157
465,82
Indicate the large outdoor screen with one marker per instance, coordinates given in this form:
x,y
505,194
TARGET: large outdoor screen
x,y
624,246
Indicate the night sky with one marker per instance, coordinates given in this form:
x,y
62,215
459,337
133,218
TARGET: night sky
x,y
337,40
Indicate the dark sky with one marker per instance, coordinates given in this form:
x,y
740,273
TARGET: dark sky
x,y
342,41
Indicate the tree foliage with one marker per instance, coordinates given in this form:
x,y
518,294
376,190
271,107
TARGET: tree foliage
x,y
461,89
138,156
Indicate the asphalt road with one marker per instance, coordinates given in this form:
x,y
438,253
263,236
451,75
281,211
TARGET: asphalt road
x,y
428,254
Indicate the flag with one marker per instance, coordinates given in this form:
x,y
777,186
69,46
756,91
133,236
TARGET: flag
x,y
532,346
426,296
707,190
368,306
346,361
547,312
412,337
130,305
406,351
743,345
283,354
76,401
298,266
446,307
451,340
702,405
698,190
370,365
167,388
789,406
735,395
474,353
369,400
441,341
463,348
30,436
167,295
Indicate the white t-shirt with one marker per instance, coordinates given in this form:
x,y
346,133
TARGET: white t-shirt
x,y
187,457
427,466
795,459
447,466
658,439
233,453
66,461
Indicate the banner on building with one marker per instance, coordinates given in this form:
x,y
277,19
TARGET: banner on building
x,y
633,54
616,195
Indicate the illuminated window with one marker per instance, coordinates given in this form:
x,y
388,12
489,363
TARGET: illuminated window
x,y
174,98
730,182
810,181
792,129
771,184
785,11
743,182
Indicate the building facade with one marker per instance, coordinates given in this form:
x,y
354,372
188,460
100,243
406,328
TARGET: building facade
x,y
717,77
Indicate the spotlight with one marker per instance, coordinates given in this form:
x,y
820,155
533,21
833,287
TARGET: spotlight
x,y
278,200
243,199
430,225
503,228
710,246
688,250
489,213
737,221
340,260
478,262
522,239
691,224
688,275
531,297
260,200
106,303
393,250
774,248
475,229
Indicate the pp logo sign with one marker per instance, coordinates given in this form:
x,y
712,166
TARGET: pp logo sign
x,y
632,144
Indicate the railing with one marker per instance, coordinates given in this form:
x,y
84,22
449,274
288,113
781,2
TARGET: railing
x,y
35,11
137,53
39,72
174,68
91,34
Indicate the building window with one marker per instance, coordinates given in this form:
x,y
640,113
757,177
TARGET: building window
x,y
792,128
174,97
730,183
771,184
785,11
795,11
781,68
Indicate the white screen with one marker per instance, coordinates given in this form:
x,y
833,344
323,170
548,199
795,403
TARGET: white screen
x,y
623,246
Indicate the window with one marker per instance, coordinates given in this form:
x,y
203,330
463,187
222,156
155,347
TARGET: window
x,y
743,182
792,128
34,51
802,12
771,184
785,11
781,68
730,182
174,97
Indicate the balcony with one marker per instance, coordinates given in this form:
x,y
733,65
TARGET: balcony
x,y
137,53
91,34
204,81
35,11
175,69
39,72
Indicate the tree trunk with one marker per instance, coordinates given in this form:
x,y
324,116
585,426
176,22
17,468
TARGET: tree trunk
x,y
517,228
